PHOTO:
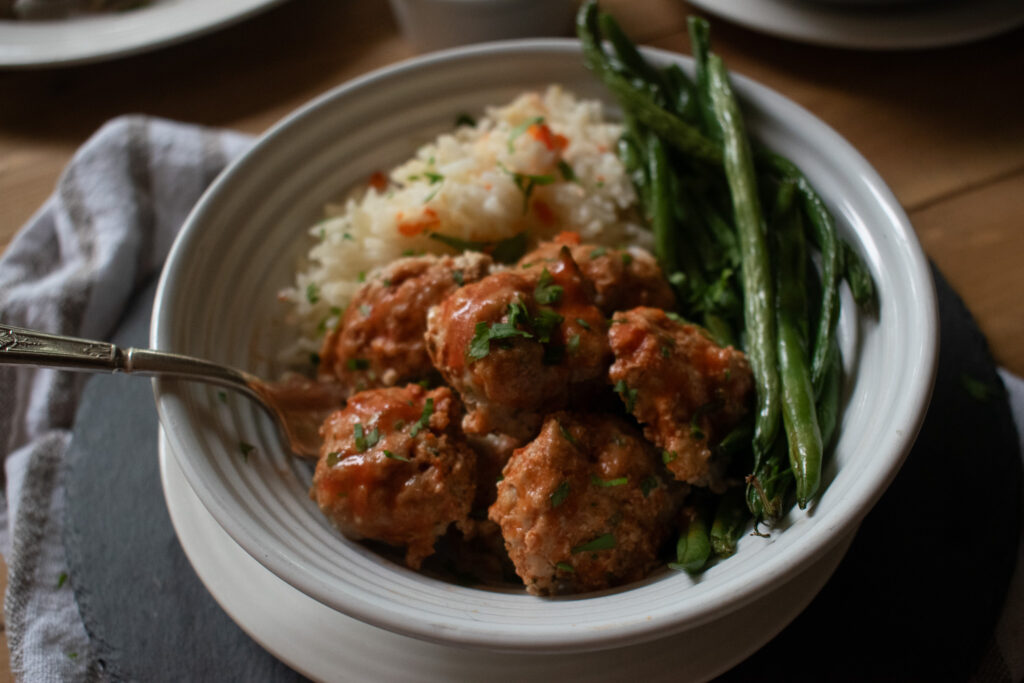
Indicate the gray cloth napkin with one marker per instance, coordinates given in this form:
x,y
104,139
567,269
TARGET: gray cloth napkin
x,y
73,269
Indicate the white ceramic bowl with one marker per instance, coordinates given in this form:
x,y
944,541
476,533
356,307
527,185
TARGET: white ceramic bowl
x,y
216,299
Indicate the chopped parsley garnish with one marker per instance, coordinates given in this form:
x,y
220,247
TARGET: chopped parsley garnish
x,y
598,253
648,485
628,395
545,323
362,276
539,327
464,120
389,454
508,250
526,182
608,483
627,258
222,396
573,345
433,176
567,435
365,441
312,293
431,195
357,364
560,494
674,317
346,236
566,171
458,277
520,129
547,292
565,567
602,542
424,421
483,335
333,458
366,310
583,323
666,351
314,359
62,579
668,456
246,449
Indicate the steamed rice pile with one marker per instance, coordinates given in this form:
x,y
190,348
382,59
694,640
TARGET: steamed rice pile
x,y
543,164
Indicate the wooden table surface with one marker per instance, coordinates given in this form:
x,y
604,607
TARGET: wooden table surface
x,y
943,127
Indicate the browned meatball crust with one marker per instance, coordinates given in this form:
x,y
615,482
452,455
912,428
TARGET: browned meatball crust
x,y
622,278
394,469
685,389
379,339
584,506
518,344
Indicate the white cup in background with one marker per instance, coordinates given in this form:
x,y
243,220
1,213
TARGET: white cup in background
x,y
437,24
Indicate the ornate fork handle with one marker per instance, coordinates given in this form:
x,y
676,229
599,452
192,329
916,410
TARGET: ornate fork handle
x,y
19,346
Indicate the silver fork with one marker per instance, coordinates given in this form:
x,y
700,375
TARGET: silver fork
x,y
297,407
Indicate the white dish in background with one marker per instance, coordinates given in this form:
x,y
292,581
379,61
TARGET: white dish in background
x,y
93,38
896,26
326,645
239,246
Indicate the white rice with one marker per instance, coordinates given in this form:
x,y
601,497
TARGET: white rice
x,y
464,184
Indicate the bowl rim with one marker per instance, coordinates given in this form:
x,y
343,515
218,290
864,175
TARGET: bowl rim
x,y
834,524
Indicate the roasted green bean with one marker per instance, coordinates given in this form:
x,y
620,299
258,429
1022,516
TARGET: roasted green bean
x,y
758,288
799,413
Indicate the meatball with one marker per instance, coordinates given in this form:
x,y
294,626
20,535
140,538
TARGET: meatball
x,y
394,469
584,506
518,344
622,278
379,340
685,389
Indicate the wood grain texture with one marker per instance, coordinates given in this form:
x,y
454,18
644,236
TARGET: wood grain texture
x,y
943,127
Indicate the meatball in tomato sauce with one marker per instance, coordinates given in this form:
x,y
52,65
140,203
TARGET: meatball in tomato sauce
x,y
621,278
379,340
394,468
681,386
519,344
585,505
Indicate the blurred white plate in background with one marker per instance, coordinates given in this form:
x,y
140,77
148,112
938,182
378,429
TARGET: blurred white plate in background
x,y
897,26
92,38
